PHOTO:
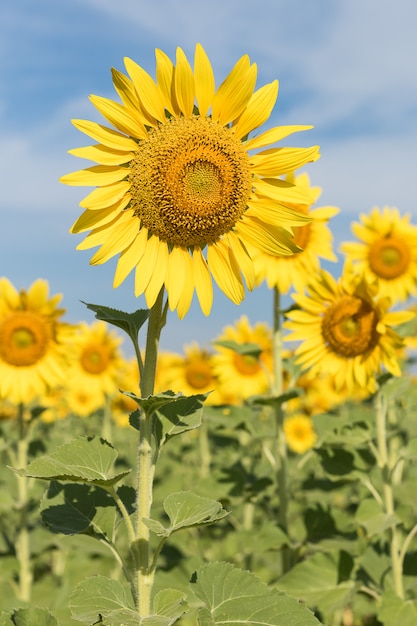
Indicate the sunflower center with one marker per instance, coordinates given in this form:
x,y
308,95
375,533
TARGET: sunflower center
x,y
95,358
190,181
389,258
24,338
246,364
198,374
349,326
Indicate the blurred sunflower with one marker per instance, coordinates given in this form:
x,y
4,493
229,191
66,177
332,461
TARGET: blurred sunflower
x,y
386,252
314,240
32,341
299,433
95,366
180,192
346,331
244,373
121,404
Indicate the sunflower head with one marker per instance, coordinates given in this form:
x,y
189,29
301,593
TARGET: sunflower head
x,y
386,252
347,331
299,433
180,193
32,341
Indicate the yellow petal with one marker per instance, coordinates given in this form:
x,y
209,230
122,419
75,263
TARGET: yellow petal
x,y
119,237
103,197
234,93
273,136
185,300
129,97
107,136
184,84
97,175
94,219
101,154
37,294
119,116
149,93
258,110
276,214
9,293
204,80
278,161
157,278
130,257
202,281
165,79
271,240
175,275
146,264
243,259
282,191
225,270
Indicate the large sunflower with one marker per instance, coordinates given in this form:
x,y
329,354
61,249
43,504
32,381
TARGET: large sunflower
x,y
180,193
346,331
33,342
386,252
314,240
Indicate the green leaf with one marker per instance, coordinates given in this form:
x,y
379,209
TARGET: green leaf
x,y
395,611
246,349
321,581
28,617
375,521
186,509
74,509
233,596
131,323
86,459
103,596
169,604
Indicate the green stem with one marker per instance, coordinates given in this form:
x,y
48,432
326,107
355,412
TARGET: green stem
x,y
388,495
281,445
23,541
145,469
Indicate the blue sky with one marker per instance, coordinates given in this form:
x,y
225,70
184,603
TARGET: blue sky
x,y
346,67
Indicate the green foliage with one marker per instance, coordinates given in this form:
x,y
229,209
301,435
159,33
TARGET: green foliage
x,y
232,596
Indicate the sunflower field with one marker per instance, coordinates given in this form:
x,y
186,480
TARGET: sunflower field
x,y
265,478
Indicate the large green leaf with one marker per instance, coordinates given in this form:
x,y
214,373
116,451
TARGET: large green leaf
x,y
28,617
235,597
186,509
103,596
323,581
395,611
85,459
371,516
74,509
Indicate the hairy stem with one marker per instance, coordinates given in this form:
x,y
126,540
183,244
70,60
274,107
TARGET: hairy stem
x,y
23,539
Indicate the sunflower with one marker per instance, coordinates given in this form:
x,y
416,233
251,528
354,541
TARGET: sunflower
x,y
386,252
179,191
189,373
346,331
314,240
299,433
32,341
123,405
96,363
244,374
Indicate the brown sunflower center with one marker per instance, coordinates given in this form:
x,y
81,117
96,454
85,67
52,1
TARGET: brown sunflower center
x,y
190,181
349,326
24,338
246,364
389,258
198,374
95,358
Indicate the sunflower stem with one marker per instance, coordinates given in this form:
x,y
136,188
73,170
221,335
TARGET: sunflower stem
x,y
146,464
388,494
281,445
23,541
